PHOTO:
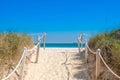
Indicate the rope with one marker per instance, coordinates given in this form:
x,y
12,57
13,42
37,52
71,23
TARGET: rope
x,y
44,34
108,66
79,39
103,61
35,47
16,66
90,49
23,55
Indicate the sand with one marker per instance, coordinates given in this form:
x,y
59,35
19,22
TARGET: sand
x,y
57,64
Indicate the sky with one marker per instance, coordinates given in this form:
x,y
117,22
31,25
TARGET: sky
x,y
62,20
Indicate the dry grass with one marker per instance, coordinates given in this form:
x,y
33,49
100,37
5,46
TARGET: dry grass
x,y
11,48
109,43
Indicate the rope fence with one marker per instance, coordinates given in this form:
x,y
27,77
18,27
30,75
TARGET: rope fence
x,y
16,66
98,59
93,52
81,41
22,60
108,66
43,38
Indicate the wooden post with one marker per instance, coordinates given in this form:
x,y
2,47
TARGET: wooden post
x,y
81,37
44,39
97,63
23,64
38,47
78,45
86,53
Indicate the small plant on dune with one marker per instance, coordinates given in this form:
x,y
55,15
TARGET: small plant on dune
x,y
11,48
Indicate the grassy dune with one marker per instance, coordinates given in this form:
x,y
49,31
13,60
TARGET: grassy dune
x,y
11,48
109,43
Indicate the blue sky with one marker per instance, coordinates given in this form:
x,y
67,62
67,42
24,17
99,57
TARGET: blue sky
x,y
59,17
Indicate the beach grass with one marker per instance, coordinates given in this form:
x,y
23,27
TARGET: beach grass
x,y
109,43
11,47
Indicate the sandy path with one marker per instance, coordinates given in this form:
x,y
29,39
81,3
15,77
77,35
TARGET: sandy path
x,y
55,64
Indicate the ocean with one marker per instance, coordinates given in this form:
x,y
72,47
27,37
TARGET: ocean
x,y
61,45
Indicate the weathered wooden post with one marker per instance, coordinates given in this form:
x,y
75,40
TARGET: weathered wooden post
x,y
97,63
81,40
44,40
23,64
86,52
38,47
81,37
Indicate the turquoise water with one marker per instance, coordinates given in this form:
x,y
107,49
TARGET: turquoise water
x,y
62,45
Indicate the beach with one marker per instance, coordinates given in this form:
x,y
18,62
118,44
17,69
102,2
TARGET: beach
x,y
57,64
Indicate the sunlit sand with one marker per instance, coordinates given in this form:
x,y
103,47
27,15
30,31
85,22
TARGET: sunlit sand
x,y
56,64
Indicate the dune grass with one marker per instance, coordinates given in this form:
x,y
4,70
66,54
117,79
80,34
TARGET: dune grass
x,y
109,43
11,48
